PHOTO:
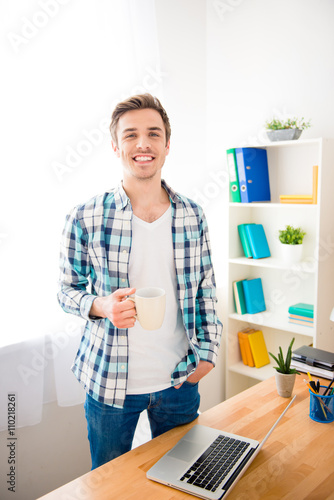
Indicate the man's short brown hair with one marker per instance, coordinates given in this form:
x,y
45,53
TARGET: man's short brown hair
x,y
141,101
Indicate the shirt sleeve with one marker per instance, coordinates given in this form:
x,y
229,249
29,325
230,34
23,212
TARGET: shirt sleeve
x,y
208,326
73,296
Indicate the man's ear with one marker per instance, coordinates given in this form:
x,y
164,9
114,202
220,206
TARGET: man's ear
x,y
115,149
167,147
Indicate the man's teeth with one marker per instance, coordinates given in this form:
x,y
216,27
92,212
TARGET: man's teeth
x,y
143,158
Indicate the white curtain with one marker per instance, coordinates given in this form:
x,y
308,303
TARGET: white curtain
x,y
65,65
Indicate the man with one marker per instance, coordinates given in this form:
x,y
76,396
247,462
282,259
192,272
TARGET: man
x,y
140,234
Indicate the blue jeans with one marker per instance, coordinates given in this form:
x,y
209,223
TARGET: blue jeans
x,y
111,430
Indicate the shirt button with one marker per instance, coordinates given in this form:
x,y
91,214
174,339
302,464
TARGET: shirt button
x,y
123,280
122,367
125,251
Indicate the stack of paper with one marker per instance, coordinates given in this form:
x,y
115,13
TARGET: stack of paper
x,y
315,361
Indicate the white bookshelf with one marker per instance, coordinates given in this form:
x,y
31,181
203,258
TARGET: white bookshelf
x,y
312,280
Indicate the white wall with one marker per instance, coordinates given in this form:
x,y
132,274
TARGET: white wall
x,y
229,66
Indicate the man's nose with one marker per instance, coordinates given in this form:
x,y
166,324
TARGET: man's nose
x,y
143,142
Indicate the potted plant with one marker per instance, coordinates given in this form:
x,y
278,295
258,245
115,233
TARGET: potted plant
x,y
292,243
285,376
286,130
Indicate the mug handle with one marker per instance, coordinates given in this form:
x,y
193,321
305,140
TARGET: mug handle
x,y
134,301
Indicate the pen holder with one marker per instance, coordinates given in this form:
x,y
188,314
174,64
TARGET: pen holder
x,y
321,407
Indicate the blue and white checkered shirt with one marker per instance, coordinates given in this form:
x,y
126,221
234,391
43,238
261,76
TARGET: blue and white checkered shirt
x,y
95,253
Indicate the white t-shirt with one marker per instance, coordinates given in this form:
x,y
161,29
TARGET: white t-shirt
x,y
153,355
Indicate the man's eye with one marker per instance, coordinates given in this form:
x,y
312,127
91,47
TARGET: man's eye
x,y
154,134
129,135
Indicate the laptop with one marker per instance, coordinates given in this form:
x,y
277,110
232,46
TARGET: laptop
x,y
208,462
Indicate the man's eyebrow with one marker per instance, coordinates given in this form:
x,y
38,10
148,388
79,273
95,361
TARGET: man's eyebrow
x,y
134,129
128,130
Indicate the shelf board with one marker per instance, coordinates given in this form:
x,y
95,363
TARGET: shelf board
x,y
269,204
262,373
275,144
271,321
272,263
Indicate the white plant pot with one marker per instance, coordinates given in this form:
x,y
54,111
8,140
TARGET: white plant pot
x,y
292,254
285,383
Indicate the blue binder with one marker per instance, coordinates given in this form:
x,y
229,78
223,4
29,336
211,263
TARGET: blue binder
x,y
253,174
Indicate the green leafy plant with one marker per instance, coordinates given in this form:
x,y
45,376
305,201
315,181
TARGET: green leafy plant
x,y
284,364
277,124
291,235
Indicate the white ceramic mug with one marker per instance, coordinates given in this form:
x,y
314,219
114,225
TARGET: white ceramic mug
x,y
150,306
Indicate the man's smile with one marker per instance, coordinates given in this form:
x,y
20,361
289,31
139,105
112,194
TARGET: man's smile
x,y
143,158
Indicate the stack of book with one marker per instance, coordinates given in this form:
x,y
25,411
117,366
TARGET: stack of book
x,y
254,241
302,314
253,348
248,296
315,361
297,198
310,199
249,175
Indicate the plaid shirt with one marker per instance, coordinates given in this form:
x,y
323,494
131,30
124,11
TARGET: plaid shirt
x,y
95,253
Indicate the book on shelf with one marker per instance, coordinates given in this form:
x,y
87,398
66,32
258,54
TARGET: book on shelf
x,y
239,298
296,197
257,241
299,201
302,309
308,324
244,240
304,318
252,164
254,297
245,349
259,349
233,174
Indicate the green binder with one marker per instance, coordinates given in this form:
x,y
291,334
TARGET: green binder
x,y
233,174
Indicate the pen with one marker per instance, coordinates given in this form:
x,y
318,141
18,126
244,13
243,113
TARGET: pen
x,y
312,383
328,387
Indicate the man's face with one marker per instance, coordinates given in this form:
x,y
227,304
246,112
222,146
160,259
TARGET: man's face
x,y
141,145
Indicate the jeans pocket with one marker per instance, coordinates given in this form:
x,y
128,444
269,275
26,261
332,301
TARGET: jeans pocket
x,y
192,384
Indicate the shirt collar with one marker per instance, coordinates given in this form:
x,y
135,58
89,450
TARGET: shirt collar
x,y
122,199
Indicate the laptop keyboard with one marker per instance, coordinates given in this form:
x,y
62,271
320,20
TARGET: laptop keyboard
x,y
215,463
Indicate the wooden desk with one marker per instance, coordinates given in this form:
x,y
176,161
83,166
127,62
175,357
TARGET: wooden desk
x,y
297,462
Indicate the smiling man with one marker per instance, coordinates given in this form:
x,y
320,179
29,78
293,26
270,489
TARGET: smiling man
x,y
139,234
